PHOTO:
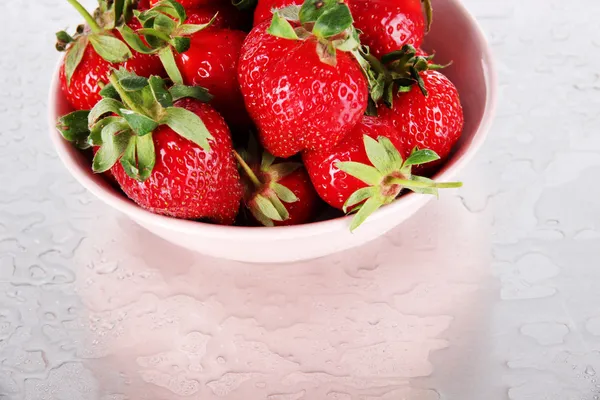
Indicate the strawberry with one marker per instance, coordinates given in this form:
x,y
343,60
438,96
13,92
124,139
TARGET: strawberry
x,y
431,117
93,52
387,25
195,175
367,170
211,62
269,184
301,90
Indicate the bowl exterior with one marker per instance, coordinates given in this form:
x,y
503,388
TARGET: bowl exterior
x,y
472,73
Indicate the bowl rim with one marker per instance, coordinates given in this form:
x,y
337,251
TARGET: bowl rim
x,y
131,209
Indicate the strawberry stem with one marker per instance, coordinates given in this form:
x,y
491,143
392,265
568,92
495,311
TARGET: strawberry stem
x,y
425,185
86,15
248,170
125,98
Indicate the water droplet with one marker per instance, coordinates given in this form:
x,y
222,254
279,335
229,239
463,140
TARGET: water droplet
x,y
221,360
590,370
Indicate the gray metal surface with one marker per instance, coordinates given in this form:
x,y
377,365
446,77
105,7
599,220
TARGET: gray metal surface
x,y
490,294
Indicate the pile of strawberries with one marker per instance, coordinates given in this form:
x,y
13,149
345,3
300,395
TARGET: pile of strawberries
x,y
323,101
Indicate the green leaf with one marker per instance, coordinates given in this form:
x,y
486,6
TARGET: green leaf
x,y
146,156
281,170
168,61
333,22
64,37
377,154
358,197
365,173
267,160
327,53
96,131
280,27
172,8
133,83
195,92
160,92
134,40
267,208
118,9
190,29
114,143
284,193
140,124
74,57
421,157
291,12
370,206
181,44
312,9
260,217
110,48
104,106
164,24
129,159
281,209
109,92
188,125
74,128
393,153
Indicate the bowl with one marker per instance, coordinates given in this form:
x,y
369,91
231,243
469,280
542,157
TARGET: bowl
x,y
473,74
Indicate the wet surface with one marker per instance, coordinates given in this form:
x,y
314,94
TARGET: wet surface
x,y
492,292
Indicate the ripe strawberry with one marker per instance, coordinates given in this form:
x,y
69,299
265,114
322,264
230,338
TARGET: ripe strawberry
x,y
387,25
300,89
91,55
194,175
268,185
367,170
431,117
211,62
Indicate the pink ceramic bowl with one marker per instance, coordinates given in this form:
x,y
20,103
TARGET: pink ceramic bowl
x,y
455,36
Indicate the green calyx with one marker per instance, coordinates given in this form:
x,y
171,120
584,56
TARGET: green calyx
x,y
398,71
163,31
327,21
386,178
122,123
265,196
98,33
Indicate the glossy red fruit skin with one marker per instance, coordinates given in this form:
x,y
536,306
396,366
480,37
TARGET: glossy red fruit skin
x,y
187,182
228,17
387,25
434,122
84,91
143,5
305,209
212,62
335,186
297,101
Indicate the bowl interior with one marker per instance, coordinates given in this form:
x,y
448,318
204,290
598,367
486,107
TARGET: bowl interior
x,y
454,37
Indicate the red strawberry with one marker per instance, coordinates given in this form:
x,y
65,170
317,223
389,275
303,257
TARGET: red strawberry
x,y
211,62
91,54
434,121
143,5
387,25
176,159
302,92
367,170
278,194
